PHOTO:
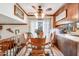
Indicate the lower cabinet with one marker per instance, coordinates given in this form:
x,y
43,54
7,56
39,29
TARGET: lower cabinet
x,y
66,46
70,48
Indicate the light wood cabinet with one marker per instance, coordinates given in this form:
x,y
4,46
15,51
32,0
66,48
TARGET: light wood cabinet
x,y
72,11
66,46
72,14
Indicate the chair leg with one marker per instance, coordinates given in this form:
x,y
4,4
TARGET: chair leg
x,y
52,45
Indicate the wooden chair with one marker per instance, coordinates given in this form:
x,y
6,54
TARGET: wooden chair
x,y
37,46
52,39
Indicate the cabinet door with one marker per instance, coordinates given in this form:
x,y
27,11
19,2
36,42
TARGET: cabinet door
x,y
67,46
60,43
73,48
70,48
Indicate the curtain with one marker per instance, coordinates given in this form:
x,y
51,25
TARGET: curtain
x,y
34,26
46,29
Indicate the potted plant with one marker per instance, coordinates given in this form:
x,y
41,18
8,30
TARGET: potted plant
x,y
29,34
39,33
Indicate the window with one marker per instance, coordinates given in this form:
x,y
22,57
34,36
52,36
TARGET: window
x,y
40,26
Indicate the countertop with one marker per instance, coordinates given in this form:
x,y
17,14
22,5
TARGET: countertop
x,y
69,36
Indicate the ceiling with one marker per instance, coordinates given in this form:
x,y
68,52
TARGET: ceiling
x,y
30,10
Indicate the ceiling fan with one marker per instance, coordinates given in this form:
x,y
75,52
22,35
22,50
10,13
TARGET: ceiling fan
x,y
40,12
40,8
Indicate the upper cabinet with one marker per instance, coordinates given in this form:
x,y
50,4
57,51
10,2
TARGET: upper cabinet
x,y
68,13
72,12
61,16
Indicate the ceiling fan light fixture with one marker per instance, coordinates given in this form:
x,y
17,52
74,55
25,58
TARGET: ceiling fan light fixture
x,y
37,15
43,15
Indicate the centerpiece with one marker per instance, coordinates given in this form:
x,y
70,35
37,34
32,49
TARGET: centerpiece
x,y
39,33
29,34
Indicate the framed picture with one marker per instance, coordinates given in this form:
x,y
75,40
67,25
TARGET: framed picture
x,y
62,15
18,12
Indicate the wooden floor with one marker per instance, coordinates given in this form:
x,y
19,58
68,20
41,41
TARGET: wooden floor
x,y
54,52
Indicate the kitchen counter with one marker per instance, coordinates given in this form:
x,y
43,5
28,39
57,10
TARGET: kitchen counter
x,y
68,44
70,37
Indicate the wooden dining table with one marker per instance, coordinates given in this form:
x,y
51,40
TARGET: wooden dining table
x,y
39,49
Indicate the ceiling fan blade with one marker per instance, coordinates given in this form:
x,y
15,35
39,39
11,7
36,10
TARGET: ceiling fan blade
x,y
49,9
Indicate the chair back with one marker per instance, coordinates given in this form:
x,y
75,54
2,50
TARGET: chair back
x,y
38,41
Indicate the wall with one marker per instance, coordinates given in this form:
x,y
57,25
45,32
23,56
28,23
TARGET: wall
x,y
6,34
8,10
52,22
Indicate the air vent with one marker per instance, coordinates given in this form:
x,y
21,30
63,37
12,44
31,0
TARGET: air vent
x,y
48,9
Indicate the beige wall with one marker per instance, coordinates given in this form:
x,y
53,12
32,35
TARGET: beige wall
x,y
6,34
